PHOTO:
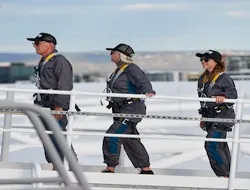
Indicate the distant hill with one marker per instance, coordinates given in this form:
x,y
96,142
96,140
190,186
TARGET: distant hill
x,y
18,57
27,57
82,62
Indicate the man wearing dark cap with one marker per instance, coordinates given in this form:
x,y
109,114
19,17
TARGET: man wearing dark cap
x,y
54,72
128,78
215,83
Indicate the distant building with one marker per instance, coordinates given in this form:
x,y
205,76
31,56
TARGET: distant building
x,y
238,65
237,62
193,76
166,76
12,72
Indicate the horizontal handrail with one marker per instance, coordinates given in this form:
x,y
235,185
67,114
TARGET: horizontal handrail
x,y
239,100
153,136
34,112
145,131
236,140
30,180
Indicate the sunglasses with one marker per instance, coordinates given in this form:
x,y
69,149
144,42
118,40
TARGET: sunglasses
x,y
111,52
36,43
205,59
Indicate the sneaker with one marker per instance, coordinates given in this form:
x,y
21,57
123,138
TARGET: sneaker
x,y
150,172
107,171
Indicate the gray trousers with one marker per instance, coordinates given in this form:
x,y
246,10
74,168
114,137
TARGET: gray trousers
x,y
63,124
218,152
132,146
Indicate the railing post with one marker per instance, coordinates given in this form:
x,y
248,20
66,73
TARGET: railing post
x,y
35,173
235,147
243,96
6,135
70,121
71,118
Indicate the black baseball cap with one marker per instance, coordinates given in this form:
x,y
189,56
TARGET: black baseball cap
x,y
46,37
123,48
211,54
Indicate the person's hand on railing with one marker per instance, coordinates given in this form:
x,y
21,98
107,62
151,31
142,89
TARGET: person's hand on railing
x,y
150,94
202,125
58,116
219,99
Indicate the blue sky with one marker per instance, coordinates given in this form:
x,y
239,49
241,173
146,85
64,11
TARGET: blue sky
x,y
147,25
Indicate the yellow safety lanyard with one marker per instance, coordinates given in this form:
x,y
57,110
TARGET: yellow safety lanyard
x,y
41,64
124,67
50,56
205,80
112,79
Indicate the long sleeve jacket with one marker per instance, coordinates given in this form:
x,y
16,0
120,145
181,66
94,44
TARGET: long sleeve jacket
x,y
56,74
131,81
222,86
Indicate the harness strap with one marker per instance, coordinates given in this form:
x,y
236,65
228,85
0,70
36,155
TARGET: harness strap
x,y
208,126
39,70
205,79
115,75
46,60
122,103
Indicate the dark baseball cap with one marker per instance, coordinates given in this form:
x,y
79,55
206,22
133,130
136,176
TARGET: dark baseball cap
x,y
44,37
211,54
123,48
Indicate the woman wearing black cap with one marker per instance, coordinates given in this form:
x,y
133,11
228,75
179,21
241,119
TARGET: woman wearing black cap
x,y
215,83
128,78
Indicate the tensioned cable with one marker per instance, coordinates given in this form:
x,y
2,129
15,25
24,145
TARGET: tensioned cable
x,y
123,115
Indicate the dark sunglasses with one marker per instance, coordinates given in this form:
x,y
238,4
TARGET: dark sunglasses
x,y
205,59
111,52
36,43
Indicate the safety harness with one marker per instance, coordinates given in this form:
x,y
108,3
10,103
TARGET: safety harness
x,y
205,80
38,70
211,112
116,74
110,82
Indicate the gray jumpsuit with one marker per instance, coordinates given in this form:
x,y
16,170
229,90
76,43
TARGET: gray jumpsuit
x,y
132,80
218,152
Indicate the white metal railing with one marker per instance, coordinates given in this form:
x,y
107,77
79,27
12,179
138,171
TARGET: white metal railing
x,y
36,170
36,114
235,140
